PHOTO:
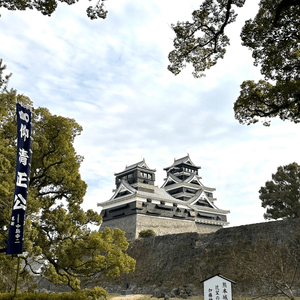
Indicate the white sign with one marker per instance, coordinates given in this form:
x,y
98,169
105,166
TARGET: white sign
x,y
217,288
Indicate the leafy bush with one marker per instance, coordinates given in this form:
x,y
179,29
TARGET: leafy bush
x,y
86,294
147,233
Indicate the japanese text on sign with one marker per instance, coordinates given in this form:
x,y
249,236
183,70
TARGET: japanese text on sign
x,y
15,240
217,288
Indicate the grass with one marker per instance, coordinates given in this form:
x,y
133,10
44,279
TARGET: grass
x,y
200,297
148,297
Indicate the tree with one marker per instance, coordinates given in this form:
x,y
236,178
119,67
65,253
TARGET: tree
x,y
266,269
281,195
49,6
273,37
263,260
4,78
57,234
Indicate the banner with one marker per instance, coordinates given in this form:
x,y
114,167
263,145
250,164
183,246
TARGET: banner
x,y
17,221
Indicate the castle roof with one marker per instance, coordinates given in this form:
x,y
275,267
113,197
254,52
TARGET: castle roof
x,y
199,202
141,164
192,180
157,193
184,160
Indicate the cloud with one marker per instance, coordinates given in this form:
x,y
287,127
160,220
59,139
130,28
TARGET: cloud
x,y
111,76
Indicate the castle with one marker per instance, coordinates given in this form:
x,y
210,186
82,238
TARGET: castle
x,y
182,204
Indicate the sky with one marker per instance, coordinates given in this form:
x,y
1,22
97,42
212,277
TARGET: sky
x,y
111,77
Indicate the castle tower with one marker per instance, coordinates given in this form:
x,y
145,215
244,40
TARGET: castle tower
x,y
183,204
182,180
138,176
183,183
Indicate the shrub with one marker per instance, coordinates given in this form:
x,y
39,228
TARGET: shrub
x,y
147,233
86,294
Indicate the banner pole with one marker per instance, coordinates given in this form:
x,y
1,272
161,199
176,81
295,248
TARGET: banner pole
x,y
17,277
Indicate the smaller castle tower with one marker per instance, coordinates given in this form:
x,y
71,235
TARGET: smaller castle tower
x,y
138,176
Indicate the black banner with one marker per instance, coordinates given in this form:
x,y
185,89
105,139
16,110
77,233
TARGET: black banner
x,y
17,221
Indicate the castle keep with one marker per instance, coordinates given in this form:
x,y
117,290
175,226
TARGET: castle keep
x,y
182,204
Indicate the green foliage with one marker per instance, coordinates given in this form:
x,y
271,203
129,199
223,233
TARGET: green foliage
x,y
57,234
147,233
8,274
49,6
3,77
96,294
55,164
273,37
265,100
281,195
81,253
202,51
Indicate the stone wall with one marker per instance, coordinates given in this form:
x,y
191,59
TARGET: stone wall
x,y
178,260
133,224
127,224
163,226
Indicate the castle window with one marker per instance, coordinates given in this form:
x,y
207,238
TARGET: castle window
x,y
146,175
162,202
149,200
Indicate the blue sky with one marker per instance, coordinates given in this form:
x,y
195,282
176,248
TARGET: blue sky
x,y
111,76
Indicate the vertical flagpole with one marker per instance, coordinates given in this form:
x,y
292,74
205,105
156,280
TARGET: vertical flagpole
x,y
17,277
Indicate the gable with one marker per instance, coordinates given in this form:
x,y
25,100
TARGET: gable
x,y
123,190
170,180
201,200
194,180
143,165
122,193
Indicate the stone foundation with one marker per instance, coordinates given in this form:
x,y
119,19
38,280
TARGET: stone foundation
x,y
135,223
127,224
